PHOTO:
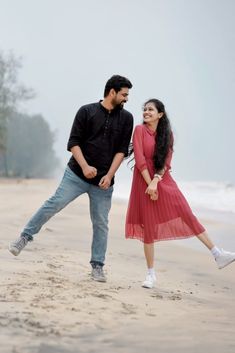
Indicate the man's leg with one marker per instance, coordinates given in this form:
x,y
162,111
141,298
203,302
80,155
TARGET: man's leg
x,y
70,187
100,204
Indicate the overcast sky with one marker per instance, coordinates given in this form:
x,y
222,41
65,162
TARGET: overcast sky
x,y
180,51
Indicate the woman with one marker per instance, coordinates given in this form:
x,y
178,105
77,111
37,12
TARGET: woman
x,y
157,209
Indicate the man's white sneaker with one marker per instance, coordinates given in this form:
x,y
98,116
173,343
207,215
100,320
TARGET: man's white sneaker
x,y
149,282
225,258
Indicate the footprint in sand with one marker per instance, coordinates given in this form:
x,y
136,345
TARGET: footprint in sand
x,y
52,266
102,296
175,297
55,280
128,309
167,295
157,296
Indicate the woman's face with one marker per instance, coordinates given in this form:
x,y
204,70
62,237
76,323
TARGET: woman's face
x,y
151,114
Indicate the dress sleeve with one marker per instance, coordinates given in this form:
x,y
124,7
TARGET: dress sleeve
x,y
140,160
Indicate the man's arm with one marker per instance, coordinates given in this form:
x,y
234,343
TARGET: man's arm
x,y
106,179
88,171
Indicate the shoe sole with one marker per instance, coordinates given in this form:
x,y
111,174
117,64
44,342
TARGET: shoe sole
x,y
148,287
228,263
99,279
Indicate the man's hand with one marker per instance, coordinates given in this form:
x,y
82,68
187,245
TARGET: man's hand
x,y
105,182
89,172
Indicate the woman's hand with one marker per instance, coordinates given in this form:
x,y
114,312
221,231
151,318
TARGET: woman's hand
x,y
152,189
154,197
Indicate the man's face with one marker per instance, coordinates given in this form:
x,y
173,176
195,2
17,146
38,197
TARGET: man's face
x,y
121,97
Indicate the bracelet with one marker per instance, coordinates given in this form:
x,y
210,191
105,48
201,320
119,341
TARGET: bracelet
x,y
158,176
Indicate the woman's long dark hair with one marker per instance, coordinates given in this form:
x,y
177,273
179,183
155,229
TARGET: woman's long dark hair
x,y
164,139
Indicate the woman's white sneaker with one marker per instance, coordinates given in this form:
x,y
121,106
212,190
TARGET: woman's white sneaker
x,y
225,258
149,282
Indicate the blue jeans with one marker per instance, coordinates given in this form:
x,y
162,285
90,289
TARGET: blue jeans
x,y
69,189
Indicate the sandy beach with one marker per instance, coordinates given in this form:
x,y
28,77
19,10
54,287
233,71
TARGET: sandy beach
x,y
49,304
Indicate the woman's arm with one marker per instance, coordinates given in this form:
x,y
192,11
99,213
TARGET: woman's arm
x,y
140,160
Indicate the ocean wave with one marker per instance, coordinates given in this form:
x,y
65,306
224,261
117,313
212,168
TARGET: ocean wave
x,y
217,196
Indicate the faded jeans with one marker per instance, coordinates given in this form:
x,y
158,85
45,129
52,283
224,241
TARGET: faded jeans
x,y
69,189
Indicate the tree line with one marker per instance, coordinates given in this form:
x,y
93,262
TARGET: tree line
x,y
26,141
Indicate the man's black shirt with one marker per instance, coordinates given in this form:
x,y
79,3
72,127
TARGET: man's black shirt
x,y
100,134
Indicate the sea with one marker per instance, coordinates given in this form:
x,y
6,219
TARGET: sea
x,y
213,203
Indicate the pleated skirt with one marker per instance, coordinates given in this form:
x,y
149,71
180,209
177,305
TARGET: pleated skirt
x,y
169,217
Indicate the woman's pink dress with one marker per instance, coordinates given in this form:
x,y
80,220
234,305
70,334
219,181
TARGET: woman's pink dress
x,y
170,217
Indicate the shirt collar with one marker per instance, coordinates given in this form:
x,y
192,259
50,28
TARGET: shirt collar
x,y
106,110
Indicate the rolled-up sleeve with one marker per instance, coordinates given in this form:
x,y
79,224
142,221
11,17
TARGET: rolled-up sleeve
x,y
78,130
126,136
140,160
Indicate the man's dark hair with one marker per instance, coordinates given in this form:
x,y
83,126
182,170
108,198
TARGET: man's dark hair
x,y
117,83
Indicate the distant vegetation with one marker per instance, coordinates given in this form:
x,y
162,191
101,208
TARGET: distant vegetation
x,y
26,142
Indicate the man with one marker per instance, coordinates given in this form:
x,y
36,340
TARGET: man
x,y
99,141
